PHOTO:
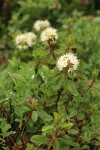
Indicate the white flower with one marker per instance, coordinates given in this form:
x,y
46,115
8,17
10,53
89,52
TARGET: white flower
x,y
68,60
40,24
49,34
62,62
23,41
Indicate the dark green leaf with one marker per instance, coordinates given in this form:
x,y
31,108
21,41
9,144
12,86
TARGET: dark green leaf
x,y
34,116
40,139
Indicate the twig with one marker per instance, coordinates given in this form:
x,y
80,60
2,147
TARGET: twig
x,y
53,137
81,126
23,126
52,51
90,84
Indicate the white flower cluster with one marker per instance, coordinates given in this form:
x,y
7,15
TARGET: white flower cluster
x,y
68,60
26,40
23,41
49,34
40,25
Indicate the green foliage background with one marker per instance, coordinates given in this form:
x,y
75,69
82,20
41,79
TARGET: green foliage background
x,y
67,115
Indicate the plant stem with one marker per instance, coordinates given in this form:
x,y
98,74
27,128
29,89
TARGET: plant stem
x,y
53,137
23,127
90,85
52,51
81,126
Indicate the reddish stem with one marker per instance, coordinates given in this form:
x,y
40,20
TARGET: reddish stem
x,y
81,126
75,119
52,47
23,127
52,138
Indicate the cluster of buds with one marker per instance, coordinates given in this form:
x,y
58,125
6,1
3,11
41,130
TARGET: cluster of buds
x,y
32,100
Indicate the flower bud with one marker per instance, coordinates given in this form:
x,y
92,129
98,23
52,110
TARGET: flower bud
x,y
30,100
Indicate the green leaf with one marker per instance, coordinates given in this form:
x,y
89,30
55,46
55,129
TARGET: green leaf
x,y
80,116
44,73
62,100
39,139
19,112
34,116
61,109
85,147
47,128
43,115
95,92
51,100
30,147
56,145
57,82
18,77
72,88
26,109
73,131
57,117
5,126
67,125
6,134
79,99
73,113
68,141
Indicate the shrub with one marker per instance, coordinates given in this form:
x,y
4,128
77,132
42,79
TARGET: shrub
x,y
42,107
49,81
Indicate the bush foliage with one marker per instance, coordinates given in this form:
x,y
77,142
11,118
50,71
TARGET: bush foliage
x,y
42,107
